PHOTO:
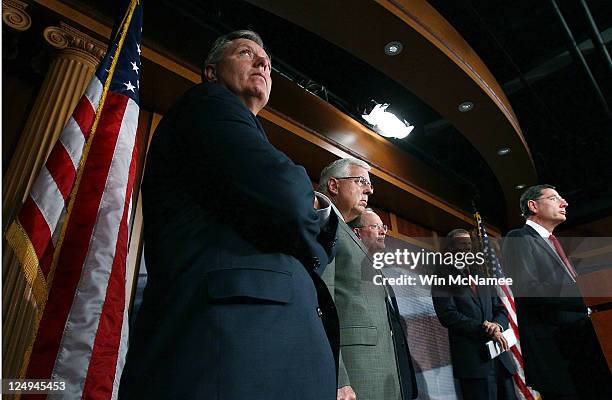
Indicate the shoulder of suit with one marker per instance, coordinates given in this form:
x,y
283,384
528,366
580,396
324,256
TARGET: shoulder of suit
x,y
209,91
522,231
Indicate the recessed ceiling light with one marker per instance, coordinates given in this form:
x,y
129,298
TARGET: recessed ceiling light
x,y
503,151
393,48
466,106
521,186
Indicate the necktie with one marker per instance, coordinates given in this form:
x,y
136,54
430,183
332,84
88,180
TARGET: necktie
x,y
562,255
472,284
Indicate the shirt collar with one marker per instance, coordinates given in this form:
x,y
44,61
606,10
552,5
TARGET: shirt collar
x,y
337,211
538,228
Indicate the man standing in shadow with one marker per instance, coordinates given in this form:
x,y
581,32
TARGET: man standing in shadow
x,y
473,316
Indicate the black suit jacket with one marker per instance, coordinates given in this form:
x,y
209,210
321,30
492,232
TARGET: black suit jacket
x,y
234,307
463,314
549,308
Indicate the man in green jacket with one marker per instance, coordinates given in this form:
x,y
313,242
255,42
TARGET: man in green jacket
x,y
372,365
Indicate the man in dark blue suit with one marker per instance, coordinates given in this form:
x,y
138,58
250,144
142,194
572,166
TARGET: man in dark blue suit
x,y
234,307
473,316
561,353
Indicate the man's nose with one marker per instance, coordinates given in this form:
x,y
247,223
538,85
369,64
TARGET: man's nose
x,y
368,190
261,62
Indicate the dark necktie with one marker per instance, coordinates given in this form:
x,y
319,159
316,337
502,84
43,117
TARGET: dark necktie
x,y
562,255
472,284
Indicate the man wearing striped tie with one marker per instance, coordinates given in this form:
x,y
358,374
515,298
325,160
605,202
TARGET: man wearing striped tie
x,y
562,356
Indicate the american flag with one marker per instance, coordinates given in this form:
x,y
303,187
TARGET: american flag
x,y
505,295
71,235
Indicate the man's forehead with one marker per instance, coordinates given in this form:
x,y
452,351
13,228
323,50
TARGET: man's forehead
x,y
357,170
248,42
371,218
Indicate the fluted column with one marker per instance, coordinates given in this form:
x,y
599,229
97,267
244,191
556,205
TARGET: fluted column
x,y
69,73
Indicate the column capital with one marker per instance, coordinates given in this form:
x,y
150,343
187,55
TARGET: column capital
x,y
15,16
65,36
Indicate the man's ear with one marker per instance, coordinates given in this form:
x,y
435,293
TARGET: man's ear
x,y
532,206
332,186
210,73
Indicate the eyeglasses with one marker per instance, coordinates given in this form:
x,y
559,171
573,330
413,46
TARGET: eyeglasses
x,y
554,198
373,227
360,180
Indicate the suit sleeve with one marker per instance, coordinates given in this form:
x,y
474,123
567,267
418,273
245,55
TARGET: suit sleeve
x,y
500,314
259,190
451,318
329,279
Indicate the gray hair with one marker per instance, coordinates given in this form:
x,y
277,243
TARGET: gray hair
x,y
222,43
358,222
532,193
339,168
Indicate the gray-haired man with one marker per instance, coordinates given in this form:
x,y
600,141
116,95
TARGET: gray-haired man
x,y
234,307
371,367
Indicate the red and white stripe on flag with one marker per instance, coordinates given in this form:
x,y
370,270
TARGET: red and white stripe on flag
x,y
71,236
523,392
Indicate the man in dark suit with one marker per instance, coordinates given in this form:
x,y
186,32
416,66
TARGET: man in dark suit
x,y
474,315
561,354
234,307
375,363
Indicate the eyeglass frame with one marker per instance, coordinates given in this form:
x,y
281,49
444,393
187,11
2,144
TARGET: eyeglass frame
x,y
360,179
384,227
555,198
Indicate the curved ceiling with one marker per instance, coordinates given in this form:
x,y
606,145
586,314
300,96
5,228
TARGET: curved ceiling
x,y
437,65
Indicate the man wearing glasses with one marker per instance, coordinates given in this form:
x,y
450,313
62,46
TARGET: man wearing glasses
x,y
370,367
561,354
370,229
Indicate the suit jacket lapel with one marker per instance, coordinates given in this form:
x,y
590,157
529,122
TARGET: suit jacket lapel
x,y
355,239
540,241
343,225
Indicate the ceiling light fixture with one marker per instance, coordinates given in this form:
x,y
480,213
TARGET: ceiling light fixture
x,y
393,48
503,151
465,106
387,124
521,186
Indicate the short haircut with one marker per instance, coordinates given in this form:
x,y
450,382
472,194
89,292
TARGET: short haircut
x,y
216,51
450,236
358,222
531,193
339,168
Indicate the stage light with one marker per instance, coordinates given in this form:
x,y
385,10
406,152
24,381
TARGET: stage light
x,y
387,124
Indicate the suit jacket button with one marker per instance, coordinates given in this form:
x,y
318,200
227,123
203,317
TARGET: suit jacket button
x,y
319,312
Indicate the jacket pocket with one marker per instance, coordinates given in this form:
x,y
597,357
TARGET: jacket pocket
x,y
358,335
244,284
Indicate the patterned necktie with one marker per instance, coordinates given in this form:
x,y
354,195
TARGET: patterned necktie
x,y
562,255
